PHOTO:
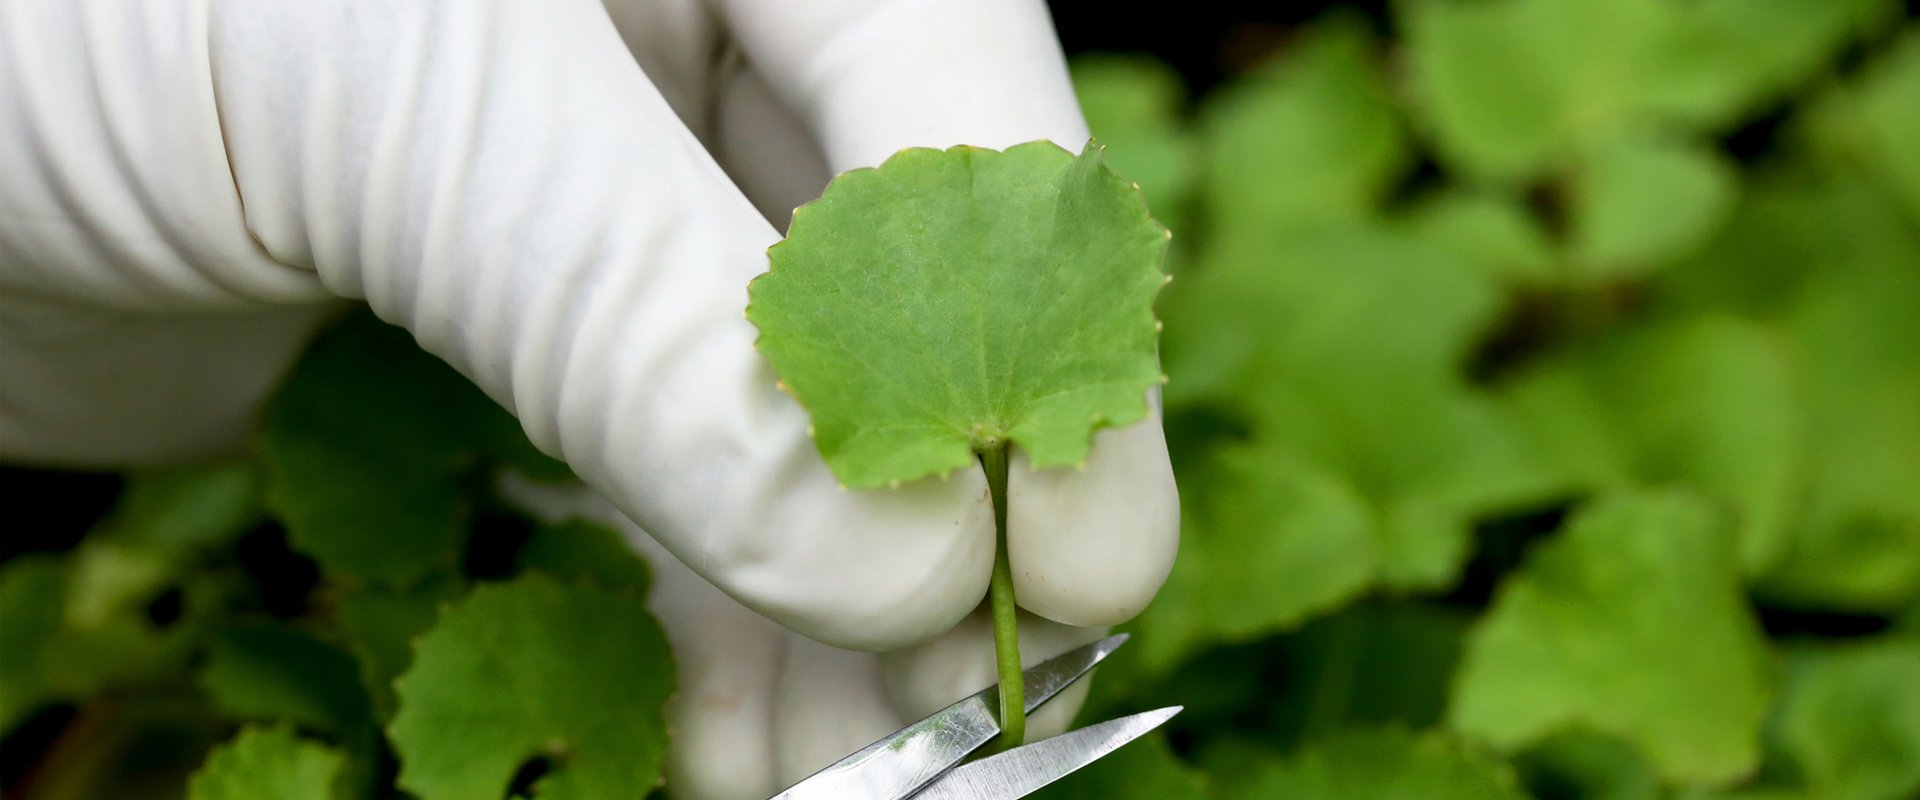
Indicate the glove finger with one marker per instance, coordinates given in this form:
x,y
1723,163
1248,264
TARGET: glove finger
x,y
726,658
871,77
830,704
676,43
727,662
1092,546
503,180
138,320
766,148
97,387
924,678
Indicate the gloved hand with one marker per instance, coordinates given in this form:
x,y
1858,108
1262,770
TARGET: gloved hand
x,y
759,707
188,186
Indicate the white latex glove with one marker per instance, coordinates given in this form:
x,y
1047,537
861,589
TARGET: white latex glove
x,y
188,186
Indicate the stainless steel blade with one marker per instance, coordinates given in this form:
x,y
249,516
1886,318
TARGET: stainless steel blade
x,y
901,763
1023,770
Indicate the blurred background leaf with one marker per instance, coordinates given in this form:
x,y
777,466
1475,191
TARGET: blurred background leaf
x,y
1631,623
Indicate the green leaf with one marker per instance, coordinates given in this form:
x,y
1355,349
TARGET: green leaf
x,y
1133,106
267,763
380,626
1367,763
535,669
1849,720
1741,793
579,549
1825,259
30,592
1511,87
1857,543
364,451
1707,403
111,580
1371,664
1146,767
1488,229
1343,350
1786,231
1272,543
1637,205
1890,116
73,626
1314,138
367,445
272,672
1515,88
186,508
1723,59
57,646
1869,124
949,300
1630,623
1582,766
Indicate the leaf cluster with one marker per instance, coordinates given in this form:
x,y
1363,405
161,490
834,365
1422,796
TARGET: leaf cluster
x,y
352,613
1544,403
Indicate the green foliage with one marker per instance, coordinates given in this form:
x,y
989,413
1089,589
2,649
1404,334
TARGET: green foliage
x,y
181,615
1271,336
1849,720
528,670
1488,230
1635,204
1374,664
1312,138
267,672
1368,763
1635,580
1706,402
1508,88
1585,764
267,762
1592,304
186,508
31,595
1720,59
1273,547
1511,87
1823,266
1871,123
380,626
987,338
366,447
588,551
76,624
71,628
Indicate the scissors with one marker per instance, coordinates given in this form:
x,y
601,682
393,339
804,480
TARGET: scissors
x,y
918,761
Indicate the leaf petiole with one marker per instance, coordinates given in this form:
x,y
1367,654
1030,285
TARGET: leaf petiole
x,y
1006,640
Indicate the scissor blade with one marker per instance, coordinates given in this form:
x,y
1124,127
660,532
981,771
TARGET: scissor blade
x,y
901,763
1023,770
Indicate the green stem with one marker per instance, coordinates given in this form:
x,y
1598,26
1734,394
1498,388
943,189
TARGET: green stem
x,y
1006,640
